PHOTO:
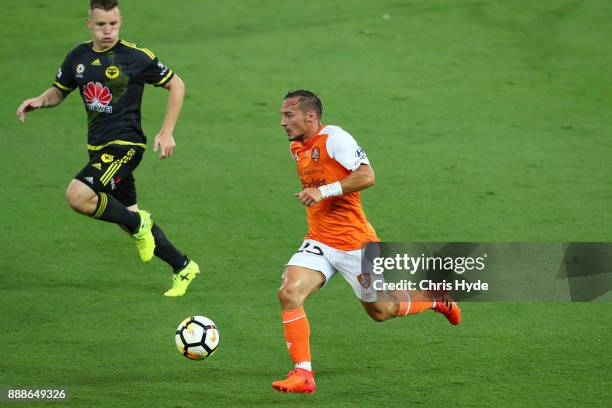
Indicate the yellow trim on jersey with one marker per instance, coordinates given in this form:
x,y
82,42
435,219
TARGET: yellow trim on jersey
x,y
62,87
109,173
104,49
164,79
116,142
145,50
114,168
103,202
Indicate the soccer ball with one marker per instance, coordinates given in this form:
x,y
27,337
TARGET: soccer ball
x,y
197,337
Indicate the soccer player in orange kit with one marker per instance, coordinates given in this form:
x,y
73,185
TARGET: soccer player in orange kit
x,y
333,169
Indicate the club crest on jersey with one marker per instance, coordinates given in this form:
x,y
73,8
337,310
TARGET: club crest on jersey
x,y
97,97
112,72
365,280
107,158
79,70
316,153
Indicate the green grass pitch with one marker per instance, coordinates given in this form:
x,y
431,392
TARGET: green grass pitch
x,y
484,121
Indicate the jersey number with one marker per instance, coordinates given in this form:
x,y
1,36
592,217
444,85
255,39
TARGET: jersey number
x,y
316,250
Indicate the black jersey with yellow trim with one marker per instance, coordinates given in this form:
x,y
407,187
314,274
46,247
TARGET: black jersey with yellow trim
x,y
111,83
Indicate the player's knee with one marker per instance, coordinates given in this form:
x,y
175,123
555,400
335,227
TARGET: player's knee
x,y
378,316
73,199
290,296
78,200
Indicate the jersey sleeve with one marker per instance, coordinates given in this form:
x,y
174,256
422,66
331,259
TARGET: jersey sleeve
x,y
64,80
344,149
156,73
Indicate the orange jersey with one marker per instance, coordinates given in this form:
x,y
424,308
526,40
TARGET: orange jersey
x,y
325,158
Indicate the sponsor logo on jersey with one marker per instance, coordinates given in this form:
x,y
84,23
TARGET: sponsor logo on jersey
x,y
313,183
96,62
79,70
97,97
112,72
365,280
316,153
360,153
311,172
97,166
107,158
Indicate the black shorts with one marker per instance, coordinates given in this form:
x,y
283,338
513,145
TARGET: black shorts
x,y
110,170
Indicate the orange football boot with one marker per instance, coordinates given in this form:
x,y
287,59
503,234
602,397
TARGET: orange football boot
x,y
298,380
449,308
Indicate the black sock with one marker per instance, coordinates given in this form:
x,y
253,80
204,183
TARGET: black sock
x,y
165,251
111,210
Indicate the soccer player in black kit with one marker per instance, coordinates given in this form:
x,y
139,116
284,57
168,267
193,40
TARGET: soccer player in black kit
x,y
110,74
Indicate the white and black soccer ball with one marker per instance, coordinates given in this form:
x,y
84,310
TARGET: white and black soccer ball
x,y
197,337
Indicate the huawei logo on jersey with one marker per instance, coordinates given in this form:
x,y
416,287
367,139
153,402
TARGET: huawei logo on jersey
x,y
97,97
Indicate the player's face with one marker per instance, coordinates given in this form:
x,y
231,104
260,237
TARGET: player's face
x,y
298,125
104,26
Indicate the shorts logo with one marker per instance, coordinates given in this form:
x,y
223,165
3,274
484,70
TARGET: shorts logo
x,y
97,97
114,182
79,70
89,180
316,153
365,280
112,72
107,158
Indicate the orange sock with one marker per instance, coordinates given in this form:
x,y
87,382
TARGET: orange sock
x,y
297,334
413,302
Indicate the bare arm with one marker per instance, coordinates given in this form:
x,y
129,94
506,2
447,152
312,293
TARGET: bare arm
x,y
48,99
164,141
358,180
